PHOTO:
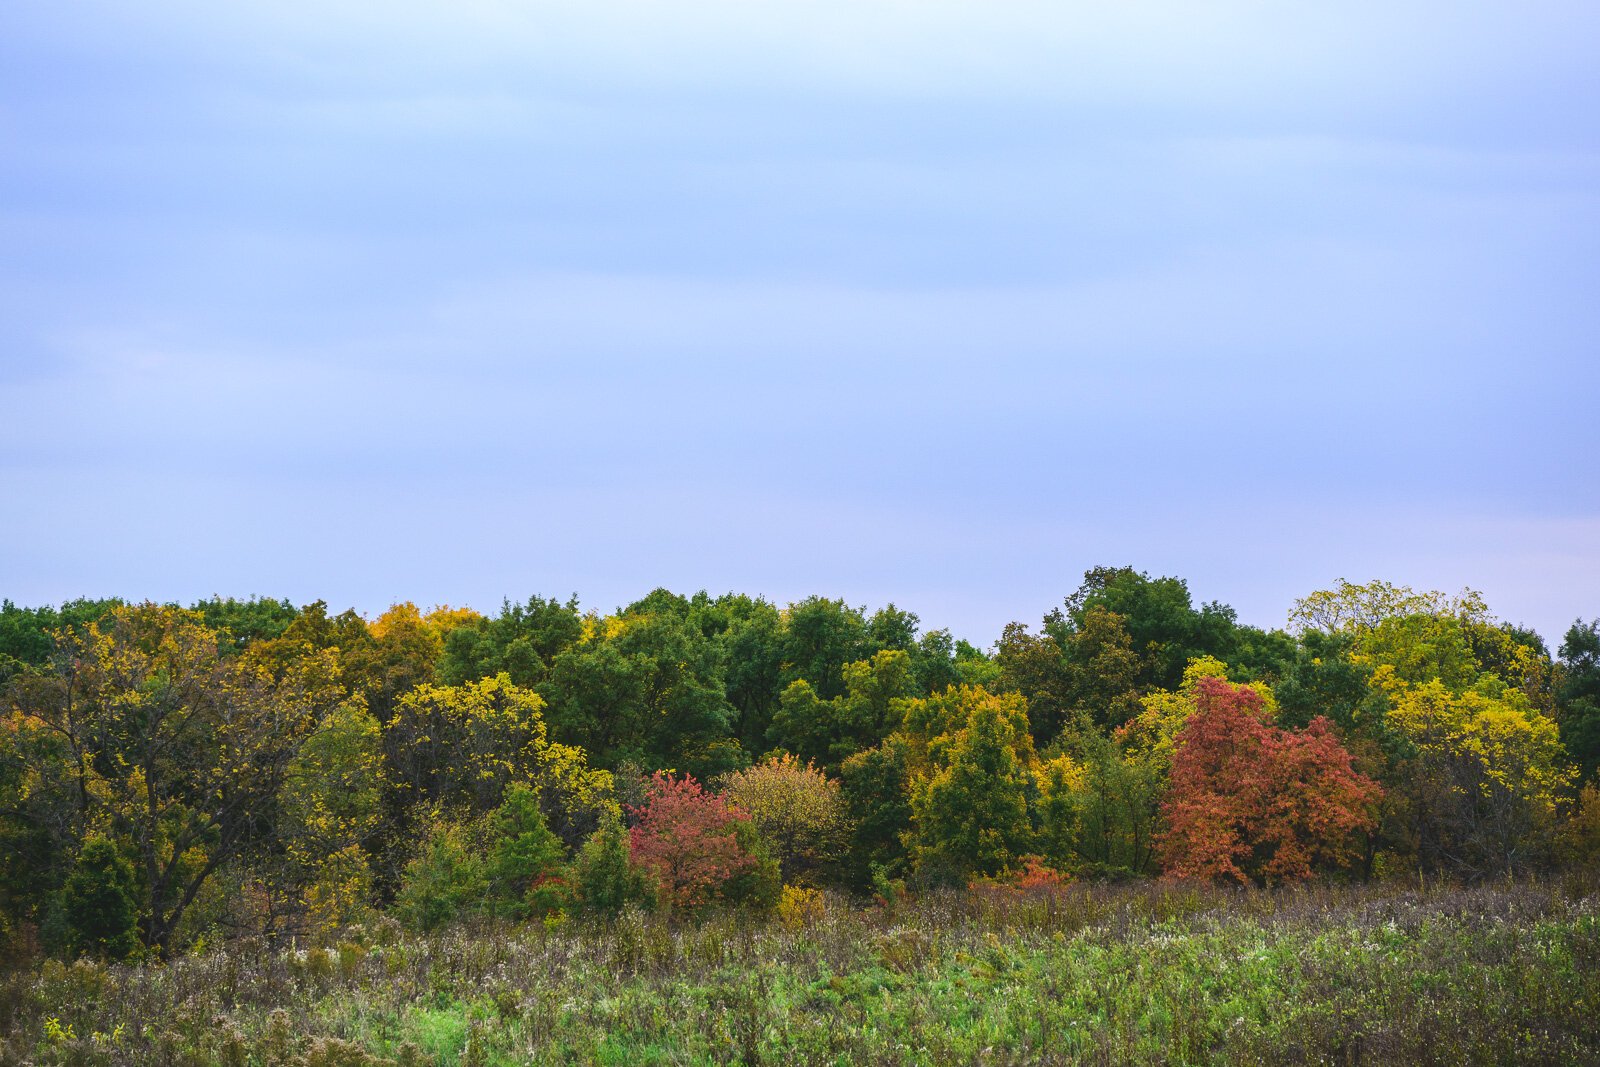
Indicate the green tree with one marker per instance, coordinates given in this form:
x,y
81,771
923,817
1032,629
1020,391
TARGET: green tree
x,y
828,731
934,662
97,903
1057,810
1116,820
1103,670
1578,698
875,786
1080,674
604,876
1036,666
241,623
749,636
520,642
1165,629
42,809
890,628
820,637
525,858
759,885
28,635
1325,679
644,687
971,815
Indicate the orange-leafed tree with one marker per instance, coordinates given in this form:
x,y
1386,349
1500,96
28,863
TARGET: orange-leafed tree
x,y
1254,803
690,839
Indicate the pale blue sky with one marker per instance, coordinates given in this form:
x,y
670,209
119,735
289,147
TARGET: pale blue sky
x,y
932,302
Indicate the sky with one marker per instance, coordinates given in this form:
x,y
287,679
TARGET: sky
x,y
925,302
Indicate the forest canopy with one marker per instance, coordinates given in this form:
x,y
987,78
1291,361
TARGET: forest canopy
x,y
171,775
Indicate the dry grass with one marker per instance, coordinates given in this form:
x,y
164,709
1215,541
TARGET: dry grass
x,y
1089,974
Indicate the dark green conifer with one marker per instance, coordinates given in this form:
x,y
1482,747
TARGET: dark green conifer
x,y
97,903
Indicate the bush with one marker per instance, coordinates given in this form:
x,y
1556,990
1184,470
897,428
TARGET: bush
x,y
1033,879
1579,840
800,907
759,884
799,811
442,883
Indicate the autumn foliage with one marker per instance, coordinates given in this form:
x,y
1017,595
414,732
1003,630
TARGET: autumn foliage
x,y
1251,802
798,810
254,768
689,838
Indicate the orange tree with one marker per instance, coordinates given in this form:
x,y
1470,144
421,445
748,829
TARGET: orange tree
x,y
1252,802
699,848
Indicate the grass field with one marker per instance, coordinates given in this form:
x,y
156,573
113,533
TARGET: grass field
x,y
1092,974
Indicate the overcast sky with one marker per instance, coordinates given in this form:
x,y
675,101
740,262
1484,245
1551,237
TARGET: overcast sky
x,y
917,301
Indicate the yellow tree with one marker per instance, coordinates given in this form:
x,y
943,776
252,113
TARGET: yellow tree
x,y
464,745
177,752
971,810
1478,771
396,652
1486,777
1352,607
799,810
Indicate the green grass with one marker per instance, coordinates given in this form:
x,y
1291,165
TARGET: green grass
x,y
1148,974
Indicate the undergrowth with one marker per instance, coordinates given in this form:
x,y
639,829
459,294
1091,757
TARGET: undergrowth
x,y
1075,974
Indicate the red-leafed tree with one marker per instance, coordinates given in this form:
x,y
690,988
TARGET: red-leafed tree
x,y
689,838
1252,802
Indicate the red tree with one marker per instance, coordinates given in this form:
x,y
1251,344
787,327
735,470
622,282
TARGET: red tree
x,y
687,837
1252,802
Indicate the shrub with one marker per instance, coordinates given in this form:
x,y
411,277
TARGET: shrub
x,y
799,906
442,883
339,894
1580,835
758,885
1034,878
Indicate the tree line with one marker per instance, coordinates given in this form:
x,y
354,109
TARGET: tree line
x,y
173,775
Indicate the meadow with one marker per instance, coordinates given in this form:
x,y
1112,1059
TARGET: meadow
x,y
1145,973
